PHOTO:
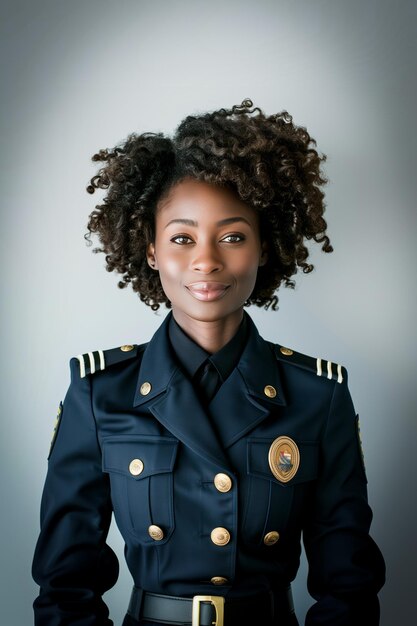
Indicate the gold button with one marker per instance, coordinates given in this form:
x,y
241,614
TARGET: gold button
x,y
126,348
136,467
271,538
222,482
219,580
220,536
286,351
145,388
155,532
270,391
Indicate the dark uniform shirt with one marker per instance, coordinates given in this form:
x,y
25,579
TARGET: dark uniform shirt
x,y
194,359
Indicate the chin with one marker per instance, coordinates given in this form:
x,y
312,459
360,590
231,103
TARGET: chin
x,y
208,312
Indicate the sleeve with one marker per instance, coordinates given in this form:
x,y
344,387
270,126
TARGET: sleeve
x,y
72,563
346,568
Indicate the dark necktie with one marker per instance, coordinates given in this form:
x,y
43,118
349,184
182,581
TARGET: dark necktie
x,y
208,381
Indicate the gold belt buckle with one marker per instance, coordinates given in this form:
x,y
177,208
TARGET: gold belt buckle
x,y
217,602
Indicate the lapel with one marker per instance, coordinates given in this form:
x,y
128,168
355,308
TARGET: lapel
x,y
173,401
239,405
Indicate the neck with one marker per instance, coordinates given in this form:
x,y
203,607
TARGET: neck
x,y
211,335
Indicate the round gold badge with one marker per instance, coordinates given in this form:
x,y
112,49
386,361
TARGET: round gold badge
x,y
284,459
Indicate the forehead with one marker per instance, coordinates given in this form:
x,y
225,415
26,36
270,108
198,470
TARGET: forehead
x,y
191,195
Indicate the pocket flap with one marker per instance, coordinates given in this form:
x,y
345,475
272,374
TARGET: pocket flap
x,y
156,455
258,464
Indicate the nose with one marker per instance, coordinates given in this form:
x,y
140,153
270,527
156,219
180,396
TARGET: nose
x,y
206,258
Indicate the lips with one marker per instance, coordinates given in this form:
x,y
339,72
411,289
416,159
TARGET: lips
x,y
207,291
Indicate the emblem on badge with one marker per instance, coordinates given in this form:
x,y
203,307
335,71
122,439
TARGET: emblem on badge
x,y
284,459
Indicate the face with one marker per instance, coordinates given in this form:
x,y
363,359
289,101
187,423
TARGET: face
x,y
207,250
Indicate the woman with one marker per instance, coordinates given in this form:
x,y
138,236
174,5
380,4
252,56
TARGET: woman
x,y
216,450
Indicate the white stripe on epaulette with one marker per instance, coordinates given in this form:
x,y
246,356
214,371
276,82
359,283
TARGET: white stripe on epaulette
x,y
329,370
82,366
82,360
92,363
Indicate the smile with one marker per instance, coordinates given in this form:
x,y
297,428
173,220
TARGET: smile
x,y
208,291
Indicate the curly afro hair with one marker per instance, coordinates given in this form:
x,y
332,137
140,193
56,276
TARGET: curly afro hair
x,y
267,161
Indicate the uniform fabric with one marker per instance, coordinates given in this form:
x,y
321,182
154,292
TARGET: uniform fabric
x,y
106,422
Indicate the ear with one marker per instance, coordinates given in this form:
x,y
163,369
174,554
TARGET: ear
x,y
264,254
151,257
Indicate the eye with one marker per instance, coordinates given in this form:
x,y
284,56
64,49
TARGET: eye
x,y
233,238
181,239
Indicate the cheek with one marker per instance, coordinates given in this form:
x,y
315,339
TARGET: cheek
x,y
170,268
246,265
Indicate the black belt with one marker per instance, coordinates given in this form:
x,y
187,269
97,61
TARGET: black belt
x,y
210,610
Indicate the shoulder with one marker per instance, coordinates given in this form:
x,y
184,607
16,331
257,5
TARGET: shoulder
x,y
318,366
98,360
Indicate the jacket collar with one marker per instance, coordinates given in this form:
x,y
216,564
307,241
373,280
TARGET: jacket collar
x,y
240,404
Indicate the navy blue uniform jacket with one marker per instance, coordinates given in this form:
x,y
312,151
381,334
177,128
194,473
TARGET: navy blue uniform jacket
x,y
106,423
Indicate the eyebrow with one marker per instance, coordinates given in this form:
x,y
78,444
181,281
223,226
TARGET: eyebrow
x,y
227,220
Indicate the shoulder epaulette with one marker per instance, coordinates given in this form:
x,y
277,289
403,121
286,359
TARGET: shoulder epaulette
x,y
92,362
321,367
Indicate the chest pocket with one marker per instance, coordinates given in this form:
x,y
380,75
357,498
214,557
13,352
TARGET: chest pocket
x,y
271,505
141,478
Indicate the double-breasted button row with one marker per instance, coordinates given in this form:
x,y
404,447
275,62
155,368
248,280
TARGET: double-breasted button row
x,y
222,482
220,536
271,538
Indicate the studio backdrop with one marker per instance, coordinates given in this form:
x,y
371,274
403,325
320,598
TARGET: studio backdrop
x,y
79,76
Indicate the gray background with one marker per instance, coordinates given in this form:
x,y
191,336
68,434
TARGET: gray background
x,y
78,76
